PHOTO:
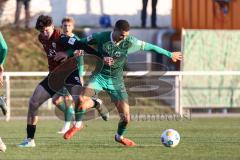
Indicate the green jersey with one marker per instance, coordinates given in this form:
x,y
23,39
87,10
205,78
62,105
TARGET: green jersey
x,y
80,64
119,52
3,49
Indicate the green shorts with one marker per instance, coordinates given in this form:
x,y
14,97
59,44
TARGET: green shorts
x,y
113,86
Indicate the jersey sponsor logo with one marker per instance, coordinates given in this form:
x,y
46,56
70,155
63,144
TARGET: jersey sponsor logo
x,y
114,51
54,45
71,41
51,53
109,48
117,54
124,45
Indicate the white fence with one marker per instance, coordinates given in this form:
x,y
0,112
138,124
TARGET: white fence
x,y
8,76
177,88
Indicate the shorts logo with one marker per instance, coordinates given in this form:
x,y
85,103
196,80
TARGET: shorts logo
x,y
77,79
71,41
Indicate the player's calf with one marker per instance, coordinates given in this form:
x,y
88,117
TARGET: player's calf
x,y
3,105
99,107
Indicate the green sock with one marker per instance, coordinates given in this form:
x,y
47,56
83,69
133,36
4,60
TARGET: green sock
x,y
69,114
61,106
121,128
79,113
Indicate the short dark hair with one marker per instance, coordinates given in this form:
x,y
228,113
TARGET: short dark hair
x,y
43,21
122,25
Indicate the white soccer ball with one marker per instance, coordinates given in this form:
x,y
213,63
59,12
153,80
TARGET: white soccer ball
x,y
170,138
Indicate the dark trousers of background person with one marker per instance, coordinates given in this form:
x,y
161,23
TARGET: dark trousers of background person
x,y
19,5
154,13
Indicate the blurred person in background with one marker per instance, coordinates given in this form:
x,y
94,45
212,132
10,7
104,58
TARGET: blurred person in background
x,y
63,97
19,4
144,13
2,4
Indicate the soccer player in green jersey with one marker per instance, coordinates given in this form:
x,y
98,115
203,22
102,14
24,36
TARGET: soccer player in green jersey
x,y
114,47
3,54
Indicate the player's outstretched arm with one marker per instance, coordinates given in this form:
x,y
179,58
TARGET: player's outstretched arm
x,y
173,55
73,43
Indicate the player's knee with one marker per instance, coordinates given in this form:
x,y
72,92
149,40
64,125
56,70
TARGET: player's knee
x,y
57,100
33,102
33,107
69,102
83,99
68,98
54,102
125,122
125,119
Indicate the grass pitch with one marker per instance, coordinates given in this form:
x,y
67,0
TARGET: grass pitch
x,y
204,138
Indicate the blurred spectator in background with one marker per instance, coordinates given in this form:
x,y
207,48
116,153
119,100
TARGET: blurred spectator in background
x,y
26,4
154,13
2,3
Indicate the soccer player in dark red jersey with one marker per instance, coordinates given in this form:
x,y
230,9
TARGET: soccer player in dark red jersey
x,y
49,37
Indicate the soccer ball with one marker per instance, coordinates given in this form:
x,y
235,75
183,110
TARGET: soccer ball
x,y
170,138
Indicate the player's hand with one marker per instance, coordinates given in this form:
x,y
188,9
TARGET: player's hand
x,y
61,56
78,53
176,56
109,61
1,75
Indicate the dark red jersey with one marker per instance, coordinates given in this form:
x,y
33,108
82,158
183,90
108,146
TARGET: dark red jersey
x,y
51,47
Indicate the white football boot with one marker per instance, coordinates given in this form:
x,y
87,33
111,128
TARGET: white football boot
x,y
27,142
